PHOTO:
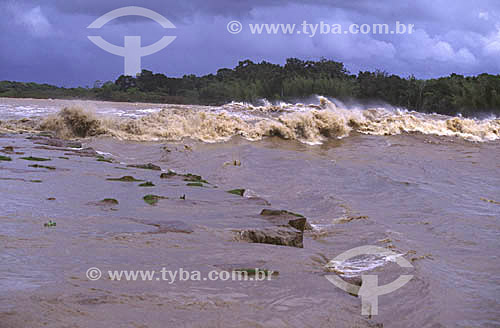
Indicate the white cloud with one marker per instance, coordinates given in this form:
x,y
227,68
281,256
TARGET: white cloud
x,y
421,46
33,20
491,43
483,15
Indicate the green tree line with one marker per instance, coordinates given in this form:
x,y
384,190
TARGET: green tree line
x,y
249,81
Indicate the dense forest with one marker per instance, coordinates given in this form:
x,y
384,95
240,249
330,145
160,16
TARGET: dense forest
x,y
295,80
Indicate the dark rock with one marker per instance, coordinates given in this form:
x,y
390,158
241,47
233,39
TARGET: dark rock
x,y
8,150
239,192
126,178
282,236
108,201
35,159
195,184
167,175
267,211
286,218
37,166
149,166
147,184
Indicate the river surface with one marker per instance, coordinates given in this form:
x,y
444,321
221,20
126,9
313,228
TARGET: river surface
x,y
424,186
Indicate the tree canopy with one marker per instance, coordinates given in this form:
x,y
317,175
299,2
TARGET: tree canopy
x,y
296,79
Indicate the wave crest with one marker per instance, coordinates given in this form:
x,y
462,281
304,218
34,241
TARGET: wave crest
x,y
309,123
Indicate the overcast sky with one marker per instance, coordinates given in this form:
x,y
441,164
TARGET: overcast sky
x,y
46,41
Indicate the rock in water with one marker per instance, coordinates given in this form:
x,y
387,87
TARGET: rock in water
x,y
149,166
169,226
282,236
286,218
58,143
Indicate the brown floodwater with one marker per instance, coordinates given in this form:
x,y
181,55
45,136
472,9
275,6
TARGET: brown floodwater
x,y
423,186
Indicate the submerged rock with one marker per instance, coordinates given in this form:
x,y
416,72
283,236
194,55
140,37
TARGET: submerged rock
x,y
109,201
167,175
147,184
35,159
37,166
58,143
105,203
153,199
101,158
195,184
149,166
169,226
239,192
351,218
489,201
188,177
194,178
8,150
85,152
126,178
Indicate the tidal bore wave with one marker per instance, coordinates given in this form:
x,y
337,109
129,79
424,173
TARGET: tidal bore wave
x,y
308,123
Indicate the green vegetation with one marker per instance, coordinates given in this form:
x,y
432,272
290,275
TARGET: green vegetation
x,y
109,201
104,159
5,158
194,178
296,79
238,192
153,199
49,224
35,159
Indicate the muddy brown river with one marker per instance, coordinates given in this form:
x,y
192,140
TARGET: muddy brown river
x,y
424,187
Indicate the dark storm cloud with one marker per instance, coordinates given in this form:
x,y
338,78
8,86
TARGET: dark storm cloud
x,y
46,41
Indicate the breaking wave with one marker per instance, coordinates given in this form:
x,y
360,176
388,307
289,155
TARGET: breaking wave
x,y
308,123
